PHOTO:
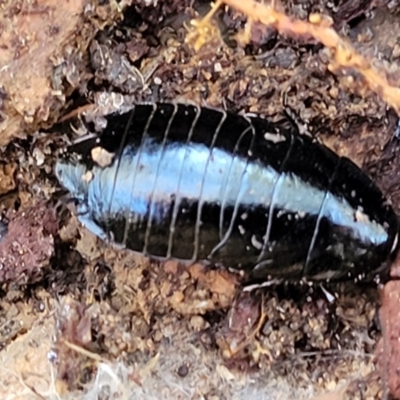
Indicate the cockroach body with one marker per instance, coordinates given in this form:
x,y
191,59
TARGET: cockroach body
x,y
199,184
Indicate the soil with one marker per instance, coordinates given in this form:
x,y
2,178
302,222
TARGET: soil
x,y
81,319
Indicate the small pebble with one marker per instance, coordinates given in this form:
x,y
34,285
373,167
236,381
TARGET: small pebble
x,y
183,370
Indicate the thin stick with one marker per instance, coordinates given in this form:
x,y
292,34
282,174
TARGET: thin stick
x,y
83,351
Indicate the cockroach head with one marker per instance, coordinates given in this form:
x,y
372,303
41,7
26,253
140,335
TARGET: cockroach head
x,y
73,166
72,177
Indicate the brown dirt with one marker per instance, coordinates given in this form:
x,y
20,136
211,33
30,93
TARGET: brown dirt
x,y
82,319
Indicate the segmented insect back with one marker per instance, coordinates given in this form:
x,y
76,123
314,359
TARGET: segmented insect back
x,y
239,191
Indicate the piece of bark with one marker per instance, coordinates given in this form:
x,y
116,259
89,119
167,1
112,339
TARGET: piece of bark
x,y
388,349
33,36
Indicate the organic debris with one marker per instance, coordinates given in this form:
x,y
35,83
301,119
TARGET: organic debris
x,y
388,349
129,326
318,27
27,244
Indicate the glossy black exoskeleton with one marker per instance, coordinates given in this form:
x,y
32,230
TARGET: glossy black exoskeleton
x,y
195,183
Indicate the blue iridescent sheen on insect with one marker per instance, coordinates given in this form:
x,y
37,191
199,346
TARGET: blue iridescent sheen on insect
x,y
239,191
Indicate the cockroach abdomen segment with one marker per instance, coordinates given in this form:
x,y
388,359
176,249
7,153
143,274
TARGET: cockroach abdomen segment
x,y
194,183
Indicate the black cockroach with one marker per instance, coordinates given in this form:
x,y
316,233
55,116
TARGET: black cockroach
x,y
243,192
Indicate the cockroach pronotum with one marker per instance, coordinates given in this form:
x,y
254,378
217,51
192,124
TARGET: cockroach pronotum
x,y
194,183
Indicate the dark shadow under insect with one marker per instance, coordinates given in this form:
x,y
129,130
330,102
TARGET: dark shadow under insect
x,y
236,191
